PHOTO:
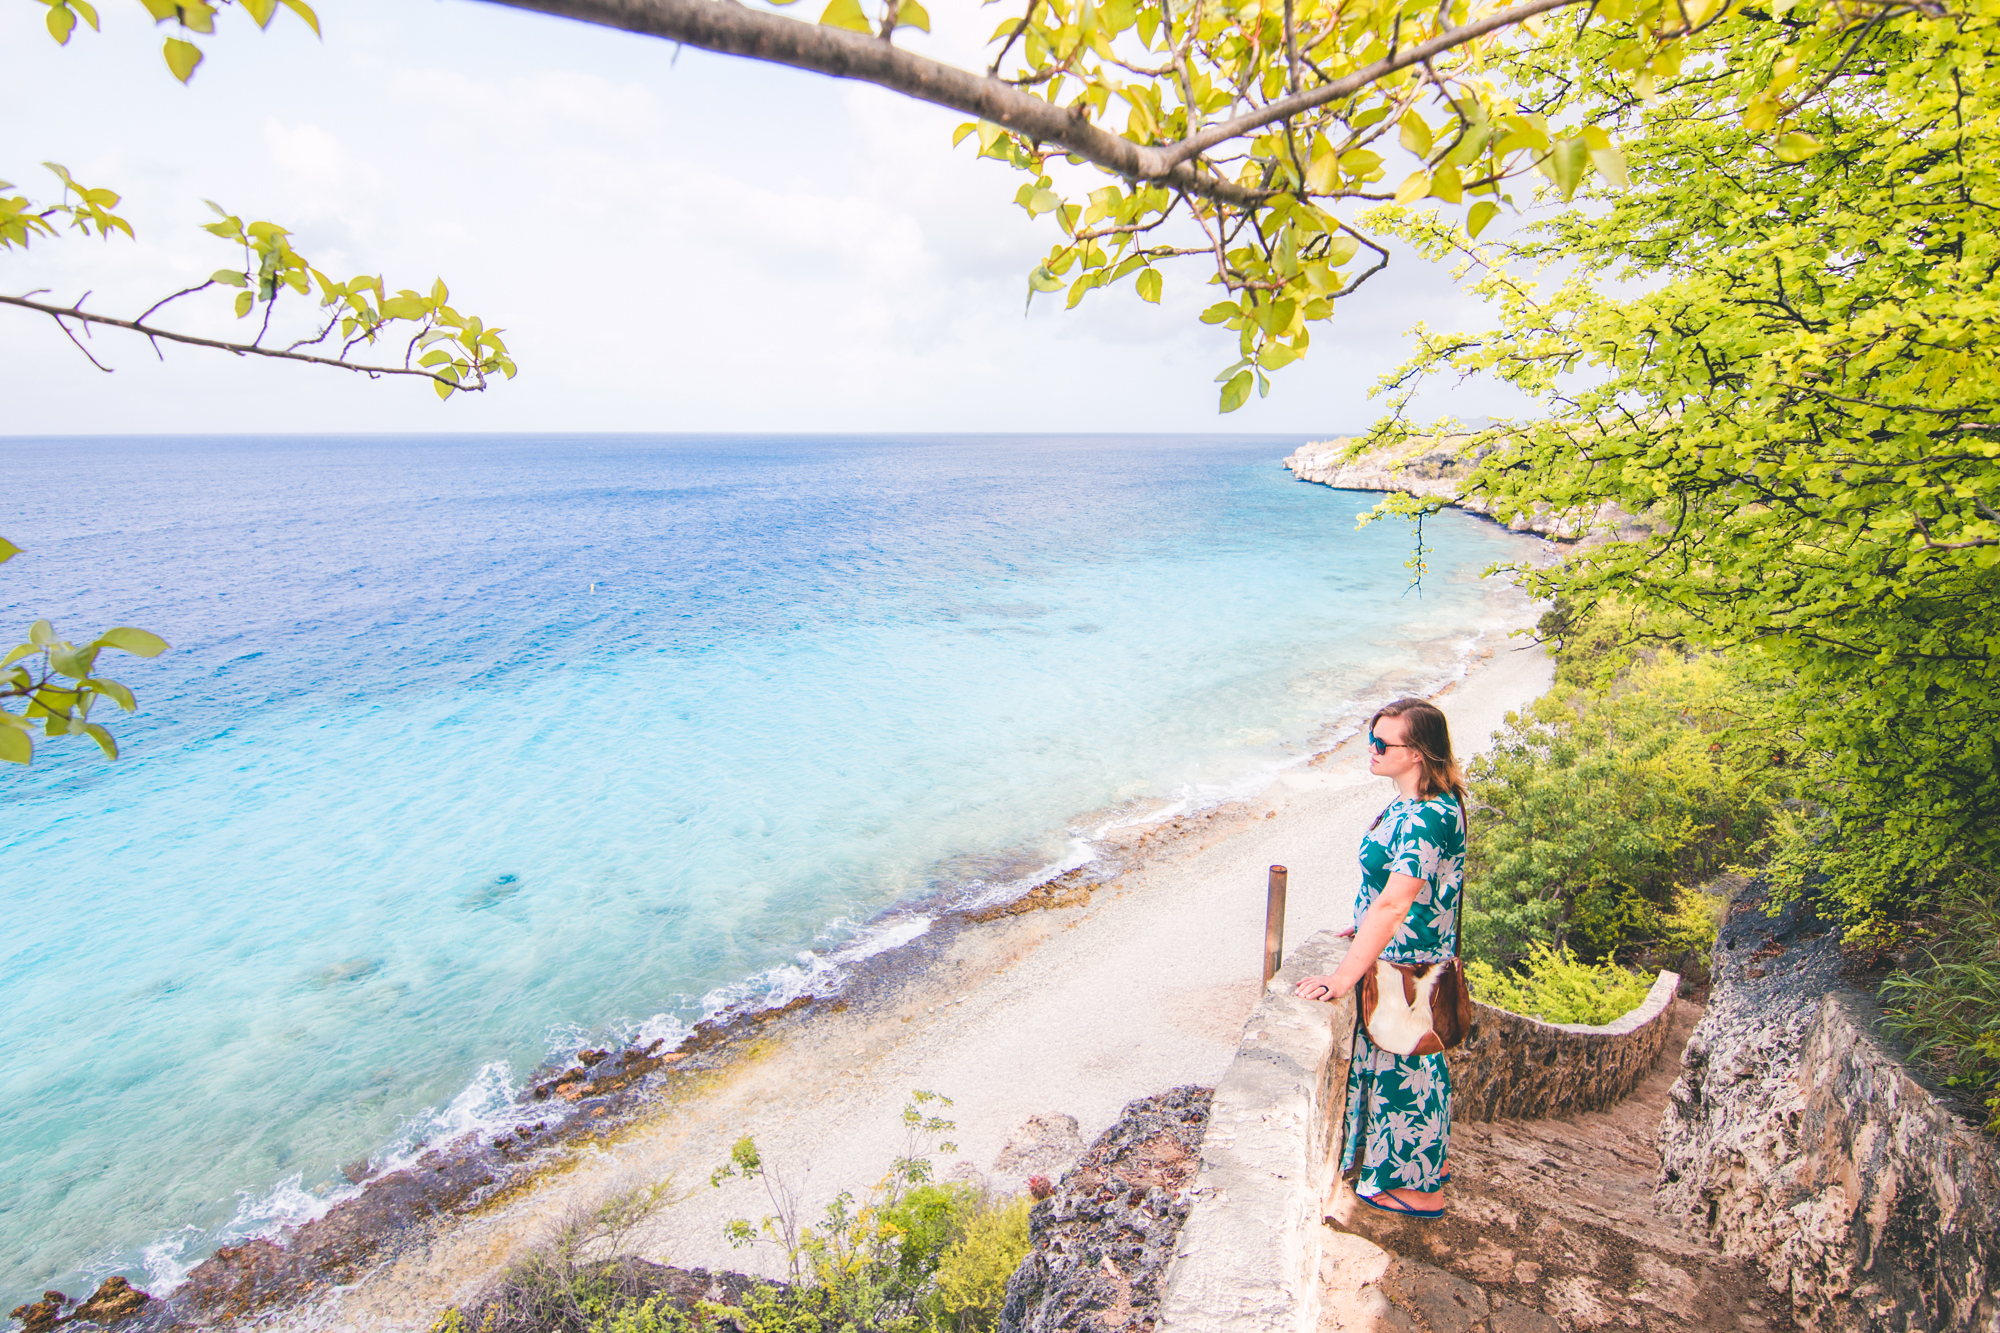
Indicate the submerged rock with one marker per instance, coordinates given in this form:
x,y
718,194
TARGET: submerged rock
x,y
115,1299
42,1315
1100,1245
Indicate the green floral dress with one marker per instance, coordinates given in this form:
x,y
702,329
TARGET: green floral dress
x,y
1399,1106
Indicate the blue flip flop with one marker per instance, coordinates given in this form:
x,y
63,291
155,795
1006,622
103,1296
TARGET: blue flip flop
x,y
1395,1207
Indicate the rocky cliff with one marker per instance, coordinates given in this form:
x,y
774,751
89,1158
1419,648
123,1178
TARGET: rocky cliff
x,y
1796,1138
1437,468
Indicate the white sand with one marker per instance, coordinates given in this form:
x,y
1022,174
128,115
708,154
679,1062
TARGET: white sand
x,y
1074,1011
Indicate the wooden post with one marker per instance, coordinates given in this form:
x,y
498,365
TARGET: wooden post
x,y
1274,924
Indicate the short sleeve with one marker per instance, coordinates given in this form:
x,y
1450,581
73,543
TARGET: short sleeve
x,y
1414,848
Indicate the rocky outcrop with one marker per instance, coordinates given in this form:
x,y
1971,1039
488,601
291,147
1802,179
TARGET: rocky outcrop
x,y
1100,1245
1794,1136
1518,1068
114,1301
1437,468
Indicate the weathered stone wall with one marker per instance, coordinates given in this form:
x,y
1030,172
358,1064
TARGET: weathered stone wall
x,y
1516,1068
1794,1137
1249,1254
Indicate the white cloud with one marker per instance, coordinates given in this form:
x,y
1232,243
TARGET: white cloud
x,y
691,244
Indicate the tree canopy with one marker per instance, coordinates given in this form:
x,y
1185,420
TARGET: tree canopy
x,y
1784,367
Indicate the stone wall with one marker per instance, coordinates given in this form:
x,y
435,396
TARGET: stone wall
x,y
1250,1251
1796,1138
1516,1068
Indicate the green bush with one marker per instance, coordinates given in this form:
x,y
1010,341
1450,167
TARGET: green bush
x,y
1947,1003
972,1276
1554,986
1599,805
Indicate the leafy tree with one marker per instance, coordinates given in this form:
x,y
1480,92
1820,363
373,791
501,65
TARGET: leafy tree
x,y
1777,353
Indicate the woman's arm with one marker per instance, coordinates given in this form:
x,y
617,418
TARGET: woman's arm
x,y
1378,925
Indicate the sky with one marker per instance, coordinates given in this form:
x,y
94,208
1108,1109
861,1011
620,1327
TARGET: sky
x,y
673,241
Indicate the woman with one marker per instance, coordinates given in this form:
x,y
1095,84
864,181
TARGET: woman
x,y
1412,876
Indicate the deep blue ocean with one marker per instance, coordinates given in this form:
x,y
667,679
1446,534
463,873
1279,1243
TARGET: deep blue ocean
x,y
472,750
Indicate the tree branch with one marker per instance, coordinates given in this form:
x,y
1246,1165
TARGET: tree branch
x,y
733,29
61,313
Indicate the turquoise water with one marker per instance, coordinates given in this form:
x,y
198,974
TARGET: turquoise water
x,y
472,750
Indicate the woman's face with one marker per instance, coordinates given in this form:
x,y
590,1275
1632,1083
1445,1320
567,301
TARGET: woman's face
x,y
1399,760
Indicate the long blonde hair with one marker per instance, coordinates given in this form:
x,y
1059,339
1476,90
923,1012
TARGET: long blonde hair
x,y
1430,737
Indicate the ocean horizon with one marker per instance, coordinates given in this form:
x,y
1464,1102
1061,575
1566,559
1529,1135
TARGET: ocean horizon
x,y
475,750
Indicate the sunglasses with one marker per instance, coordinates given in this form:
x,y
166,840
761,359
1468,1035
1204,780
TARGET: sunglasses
x,y
1381,746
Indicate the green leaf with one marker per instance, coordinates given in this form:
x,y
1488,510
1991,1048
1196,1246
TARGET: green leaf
x,y
182,57
1414,134
60,22
1415,187
15,747
846,14
244,300
229,276
1237,391
138,642
7,550
1482,213
1610,164
101,736
304,11
1797,147
113,691
1565,164
72,662
958,135
1277,356
1445,185
910,14
1044,279
1149,285
1220,311
1323,176
41,634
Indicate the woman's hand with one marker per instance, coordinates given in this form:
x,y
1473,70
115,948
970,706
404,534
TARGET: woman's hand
x,y
1328,989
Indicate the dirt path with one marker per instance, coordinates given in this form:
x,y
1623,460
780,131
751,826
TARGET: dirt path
x,y
1551,1227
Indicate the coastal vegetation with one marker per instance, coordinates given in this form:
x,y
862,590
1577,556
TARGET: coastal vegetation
x,y
1778,368
912,1255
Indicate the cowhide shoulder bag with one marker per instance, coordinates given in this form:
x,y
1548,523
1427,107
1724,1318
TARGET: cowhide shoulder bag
x,y
1416,1008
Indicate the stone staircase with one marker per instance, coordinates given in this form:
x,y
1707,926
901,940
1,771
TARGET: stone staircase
x,y
1552,1226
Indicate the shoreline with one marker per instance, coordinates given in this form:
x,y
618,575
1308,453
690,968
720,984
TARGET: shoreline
x,y
572,1111
1016,1010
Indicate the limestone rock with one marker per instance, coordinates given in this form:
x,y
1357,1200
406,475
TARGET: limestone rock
x,y
1795,1138
1101,1244
1042,1144
1438,468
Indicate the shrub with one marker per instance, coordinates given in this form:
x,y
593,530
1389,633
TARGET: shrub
x,y
1598,806
972,1274
1947,1005
1554,986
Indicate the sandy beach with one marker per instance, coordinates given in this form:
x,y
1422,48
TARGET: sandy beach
x,y
1072,1011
